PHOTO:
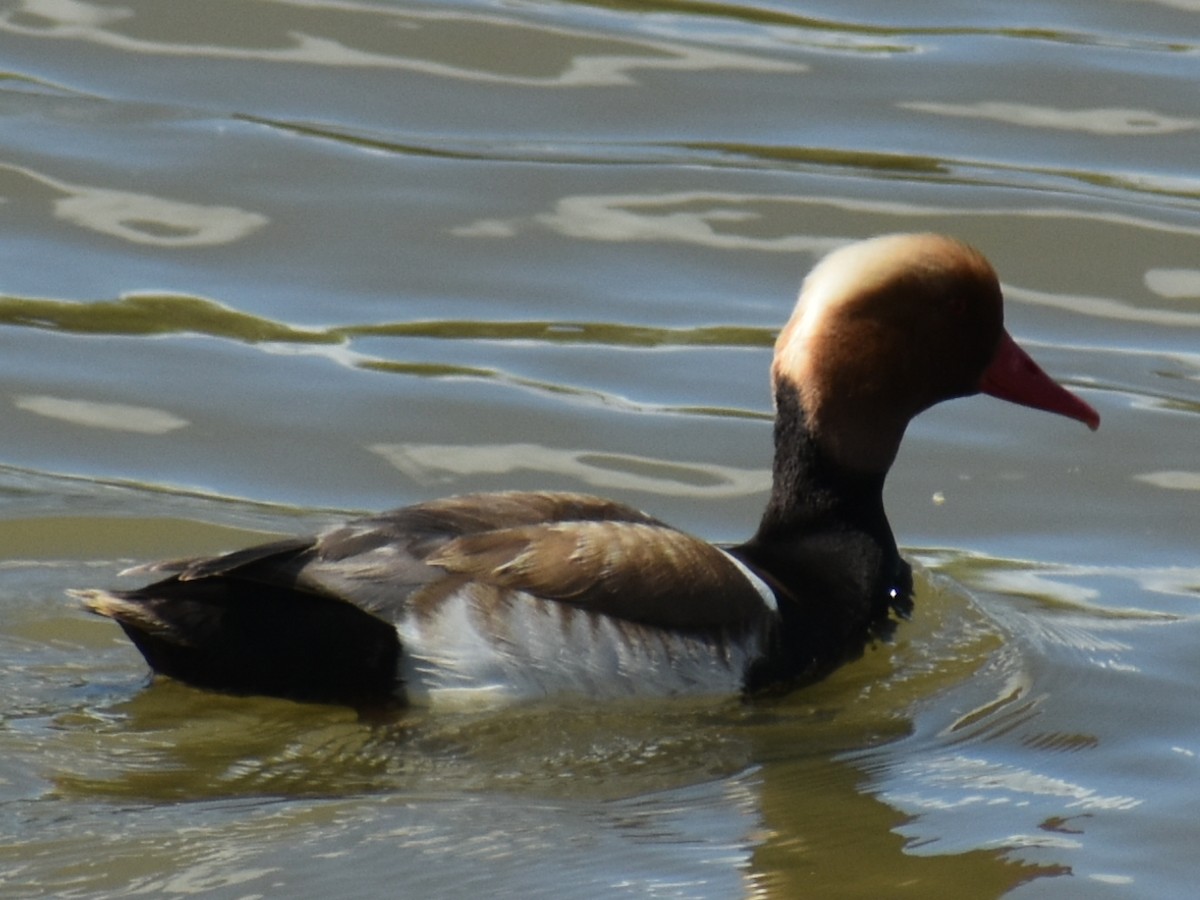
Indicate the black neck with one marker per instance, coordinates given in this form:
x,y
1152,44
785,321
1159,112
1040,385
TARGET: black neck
x,y
825,543
810,491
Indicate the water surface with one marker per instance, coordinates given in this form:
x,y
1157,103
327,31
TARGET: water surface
x,y
269,263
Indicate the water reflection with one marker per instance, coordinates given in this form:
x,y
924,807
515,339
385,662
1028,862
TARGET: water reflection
x,y
1174,284
1171,480
144,218
88,413
1088,121
819,817
433,463
767,223
1108,308
422,41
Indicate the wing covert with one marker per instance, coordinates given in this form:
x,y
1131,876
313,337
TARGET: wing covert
x,y
647,573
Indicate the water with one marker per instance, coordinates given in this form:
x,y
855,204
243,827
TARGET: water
x,y
269,263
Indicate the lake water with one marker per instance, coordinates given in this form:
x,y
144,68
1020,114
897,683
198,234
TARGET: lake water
x,y
268,263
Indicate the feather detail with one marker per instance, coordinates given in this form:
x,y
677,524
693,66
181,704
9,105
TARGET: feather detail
x,y
643,573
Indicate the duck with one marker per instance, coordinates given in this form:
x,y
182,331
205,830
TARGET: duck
x,y
527,594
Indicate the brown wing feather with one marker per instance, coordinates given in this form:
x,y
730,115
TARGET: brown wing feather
x,y
422,528
378,562
471,513
569,548
640,572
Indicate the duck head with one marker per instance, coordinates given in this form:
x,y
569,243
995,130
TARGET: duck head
x,y
888,327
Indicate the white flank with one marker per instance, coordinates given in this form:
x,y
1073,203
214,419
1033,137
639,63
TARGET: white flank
x,y
533,648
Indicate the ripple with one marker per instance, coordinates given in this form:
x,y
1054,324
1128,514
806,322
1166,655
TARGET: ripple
x,y
765,222
433,463
589,60
608,334
1173,283
1171,480
1106,308
114,416
955,780
1103,121
1061,742
152,313
144,218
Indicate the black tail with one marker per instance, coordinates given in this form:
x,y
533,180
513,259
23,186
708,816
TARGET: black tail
x,y
242,637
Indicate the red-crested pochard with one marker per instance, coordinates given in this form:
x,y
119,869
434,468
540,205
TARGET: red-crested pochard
x,y
529,594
